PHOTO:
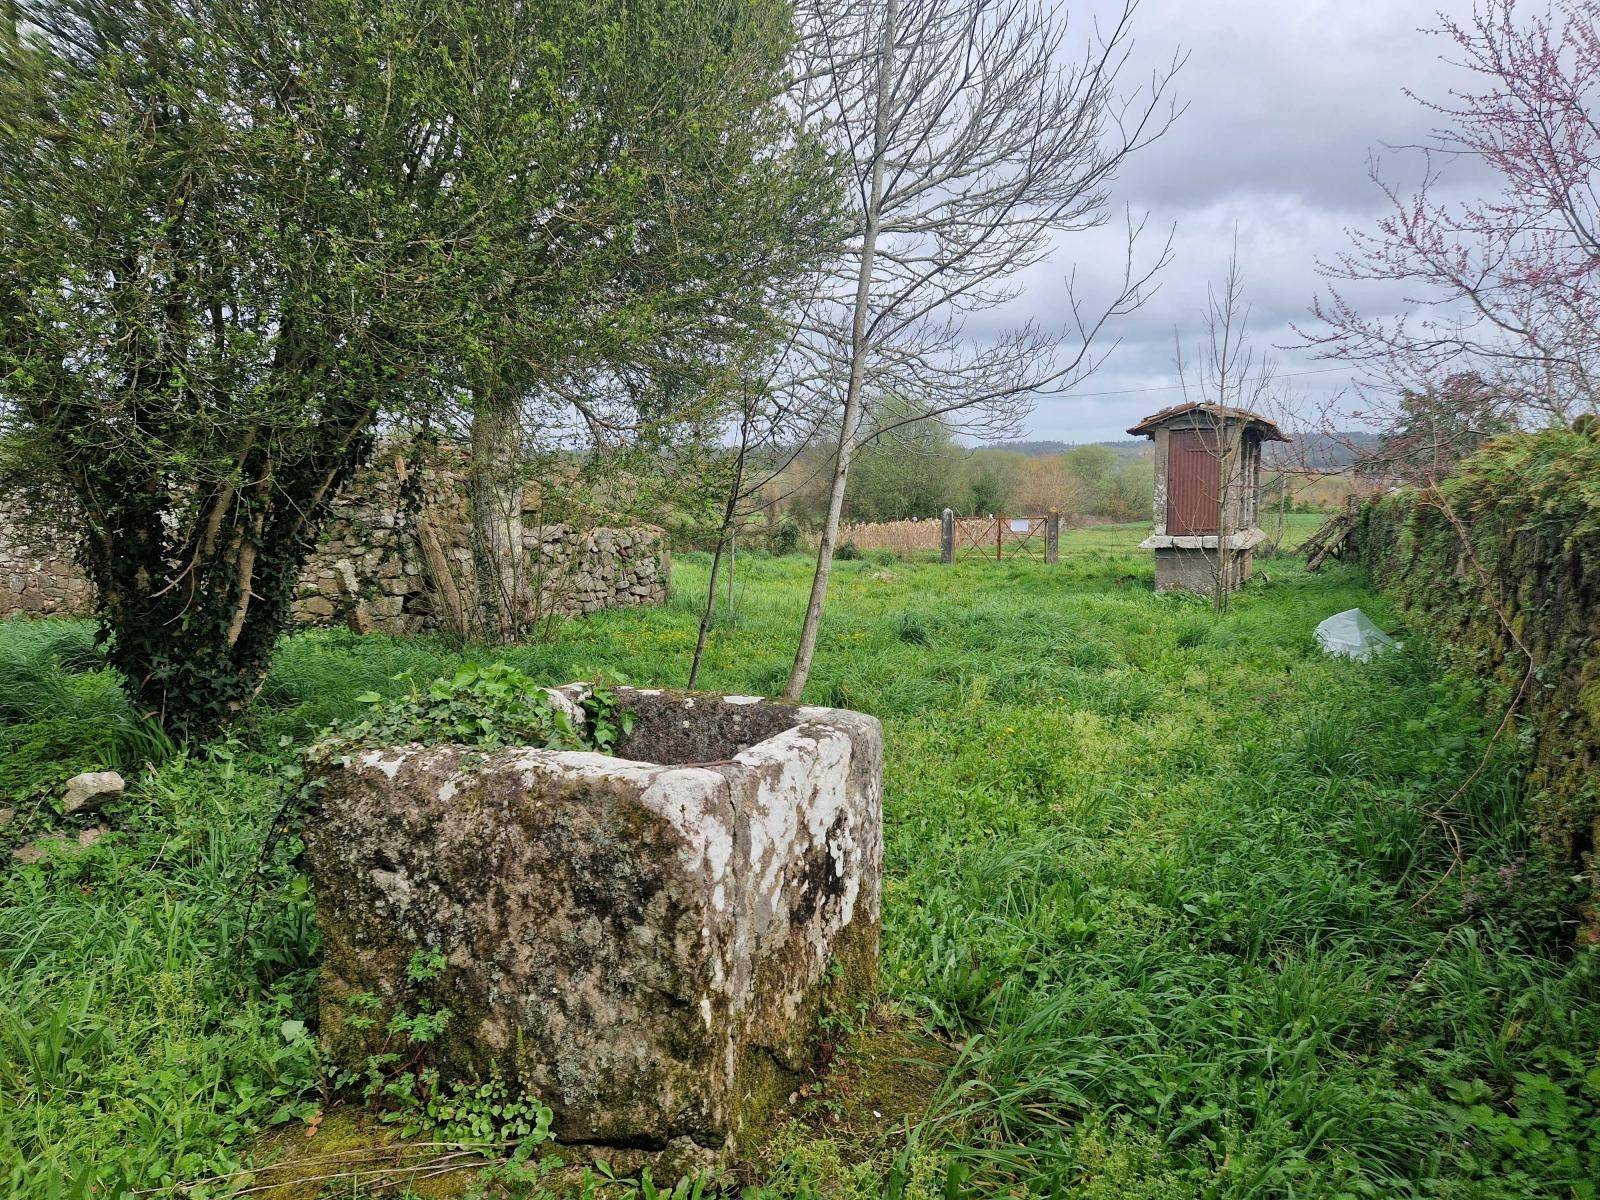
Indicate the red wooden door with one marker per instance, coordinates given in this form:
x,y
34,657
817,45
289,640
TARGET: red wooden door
x,y
1193,470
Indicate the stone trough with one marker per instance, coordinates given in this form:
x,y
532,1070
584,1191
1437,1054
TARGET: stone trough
x,y
644,941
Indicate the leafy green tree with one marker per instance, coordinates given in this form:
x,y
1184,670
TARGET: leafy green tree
x,y
242,235
912,472
1127,492
1091,464
992,477
639,269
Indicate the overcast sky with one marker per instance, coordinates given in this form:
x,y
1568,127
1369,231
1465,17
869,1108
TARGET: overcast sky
x,y
1285,100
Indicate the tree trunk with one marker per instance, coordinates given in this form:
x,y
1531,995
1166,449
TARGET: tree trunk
x,y
453,613
705,613
495,486
724,538
806,650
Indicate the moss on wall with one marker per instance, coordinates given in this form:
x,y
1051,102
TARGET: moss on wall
x,y
1529,506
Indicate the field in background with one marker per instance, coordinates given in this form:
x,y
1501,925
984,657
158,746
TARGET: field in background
x,y
920,539
1172,892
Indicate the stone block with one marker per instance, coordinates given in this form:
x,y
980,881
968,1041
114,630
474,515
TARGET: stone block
x,y
1196,570
91,790
642,941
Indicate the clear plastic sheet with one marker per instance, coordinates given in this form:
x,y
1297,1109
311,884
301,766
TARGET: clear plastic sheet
x,y
1352,634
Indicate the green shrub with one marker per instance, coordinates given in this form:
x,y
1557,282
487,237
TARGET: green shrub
x,y
785,537
846,551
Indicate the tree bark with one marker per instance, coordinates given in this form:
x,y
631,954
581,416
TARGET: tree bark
x,y
453,613
805,652
705,614
495,487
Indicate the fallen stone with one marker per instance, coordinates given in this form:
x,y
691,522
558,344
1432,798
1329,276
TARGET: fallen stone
x,y
54,843
38,849
645,942
89,791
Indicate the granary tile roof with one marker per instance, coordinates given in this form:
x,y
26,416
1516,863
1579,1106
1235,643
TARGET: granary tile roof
x,y
1268,427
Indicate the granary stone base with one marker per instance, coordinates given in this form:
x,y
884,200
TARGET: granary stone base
x,y
1185,570
643,941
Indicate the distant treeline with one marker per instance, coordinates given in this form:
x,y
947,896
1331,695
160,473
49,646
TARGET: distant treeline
x,y
1335,451
923,471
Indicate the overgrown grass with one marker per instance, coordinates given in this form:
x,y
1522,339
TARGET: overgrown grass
x,y
63,711
1202,912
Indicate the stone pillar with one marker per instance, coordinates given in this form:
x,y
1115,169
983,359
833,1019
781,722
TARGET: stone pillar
x,y
1052,537
947,537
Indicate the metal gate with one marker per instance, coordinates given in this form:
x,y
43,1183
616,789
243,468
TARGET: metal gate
x,y
999,538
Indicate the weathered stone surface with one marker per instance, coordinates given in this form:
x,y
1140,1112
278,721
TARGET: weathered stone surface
x,y
90,790
643,941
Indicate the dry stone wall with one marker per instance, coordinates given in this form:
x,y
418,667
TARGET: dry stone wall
x,y
37,578
369,570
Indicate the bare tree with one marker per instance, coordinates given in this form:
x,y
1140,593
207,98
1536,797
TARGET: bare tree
x,y
1502,290
766,428
1229,381
973,139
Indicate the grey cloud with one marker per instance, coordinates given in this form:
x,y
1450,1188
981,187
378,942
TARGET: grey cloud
x,y
1285,101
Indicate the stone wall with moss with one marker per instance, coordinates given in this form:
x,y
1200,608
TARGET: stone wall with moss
x,y
1529,507
368,570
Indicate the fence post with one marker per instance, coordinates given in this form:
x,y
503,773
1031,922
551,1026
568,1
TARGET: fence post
x,y
999,536
947,536
1052,536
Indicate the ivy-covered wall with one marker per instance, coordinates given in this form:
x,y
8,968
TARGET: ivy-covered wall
x,y
1529,506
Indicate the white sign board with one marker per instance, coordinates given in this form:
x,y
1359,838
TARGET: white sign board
x,y
1021,526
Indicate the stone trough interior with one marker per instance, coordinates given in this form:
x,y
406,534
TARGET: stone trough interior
x,y
644,941
676,729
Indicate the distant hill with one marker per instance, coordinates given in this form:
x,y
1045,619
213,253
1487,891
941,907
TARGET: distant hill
x,y
1311,452
1323,451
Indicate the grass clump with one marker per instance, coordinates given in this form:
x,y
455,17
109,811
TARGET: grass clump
x,y
63,711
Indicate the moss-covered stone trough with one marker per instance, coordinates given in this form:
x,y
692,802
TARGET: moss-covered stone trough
x,y
643,941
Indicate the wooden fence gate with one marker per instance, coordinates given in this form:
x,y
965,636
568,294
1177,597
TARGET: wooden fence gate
x,y
999,537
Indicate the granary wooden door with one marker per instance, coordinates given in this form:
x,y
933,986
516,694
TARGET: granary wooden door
x,y
1193,471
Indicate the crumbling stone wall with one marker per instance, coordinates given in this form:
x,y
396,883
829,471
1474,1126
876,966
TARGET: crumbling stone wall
x,y
1530,509
369,569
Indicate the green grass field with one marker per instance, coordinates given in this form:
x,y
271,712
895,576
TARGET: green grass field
x,y
1189,909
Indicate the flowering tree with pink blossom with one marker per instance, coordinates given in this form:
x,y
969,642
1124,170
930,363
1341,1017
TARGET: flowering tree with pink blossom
x,y
1506,285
